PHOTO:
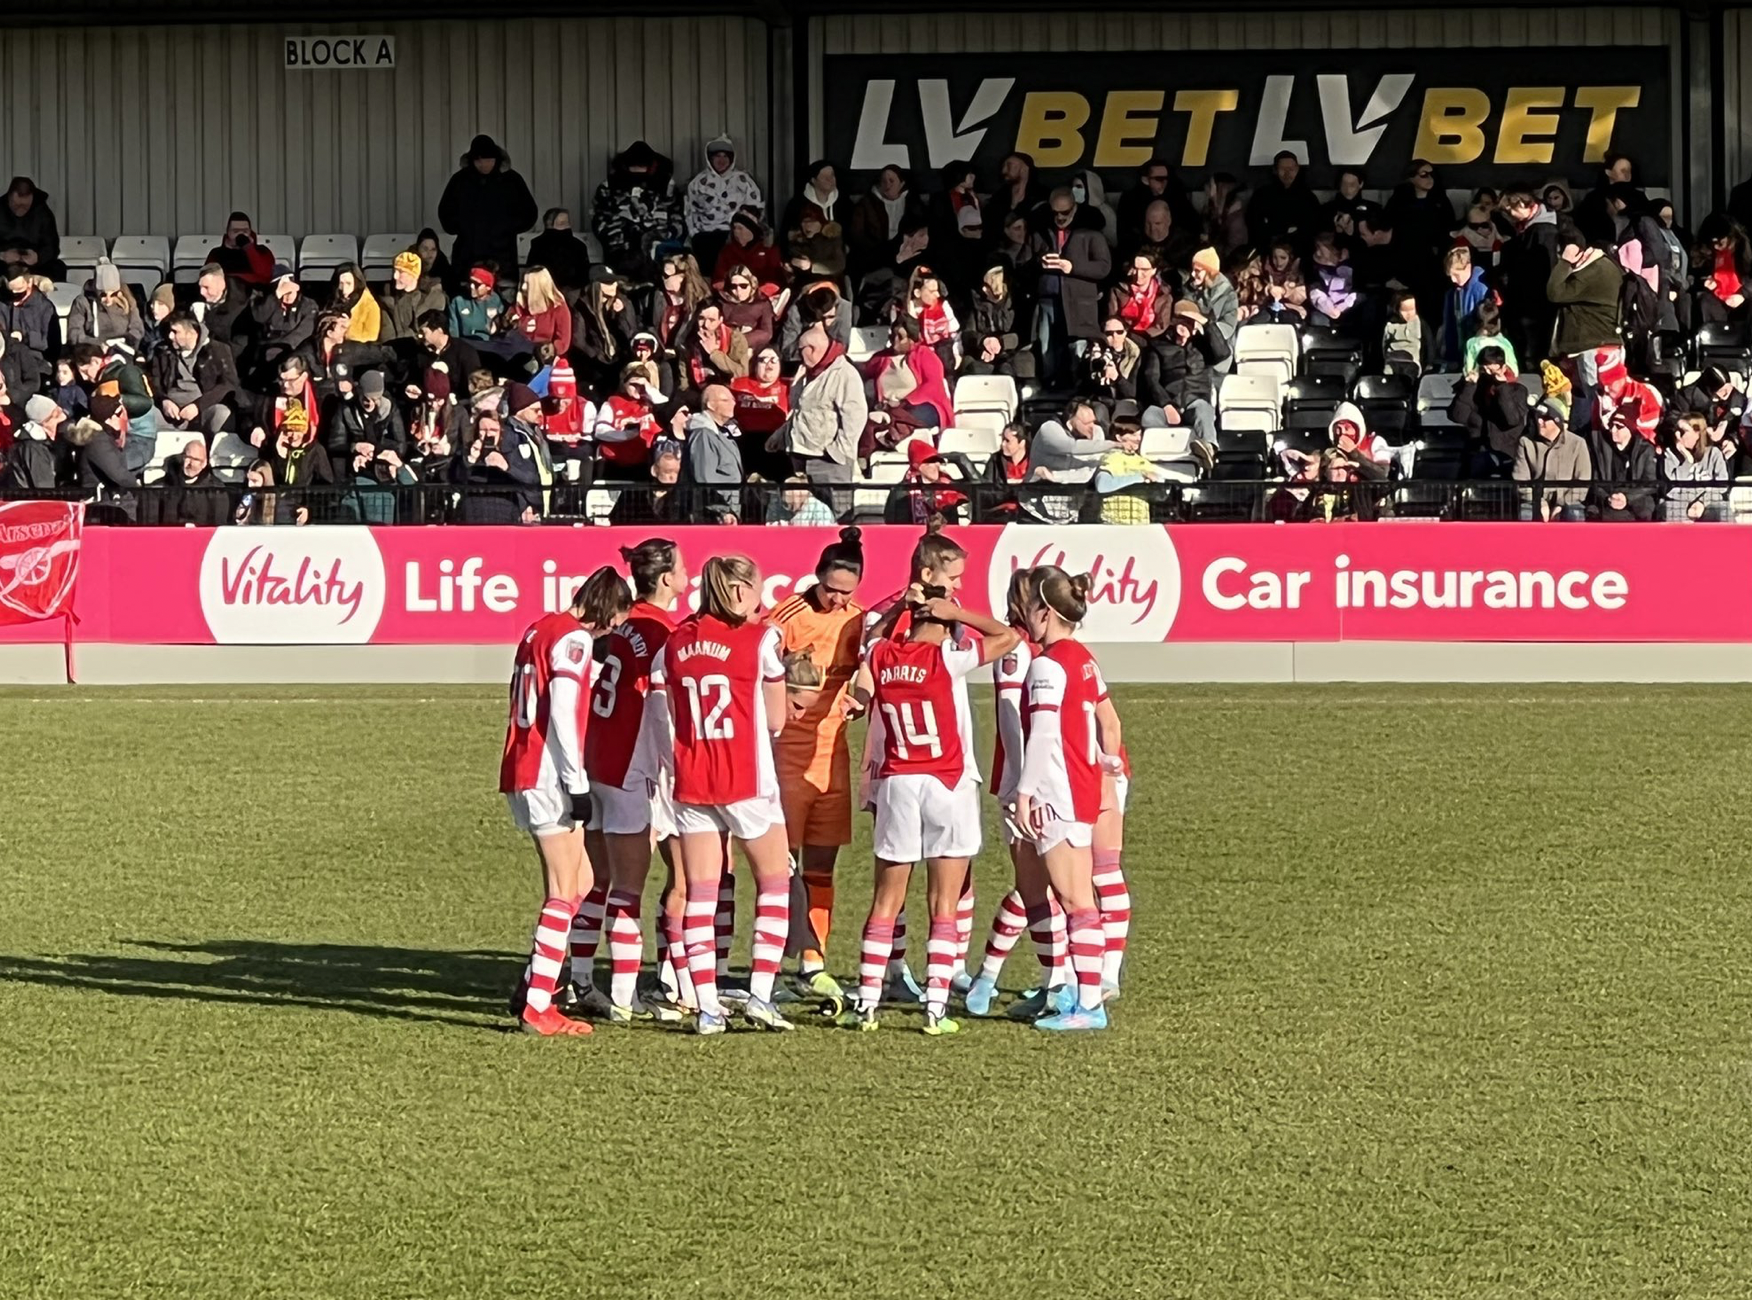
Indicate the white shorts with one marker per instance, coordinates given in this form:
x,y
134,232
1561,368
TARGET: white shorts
x,y
746,819
634,809
543,811
1079,835
918,817
1121,788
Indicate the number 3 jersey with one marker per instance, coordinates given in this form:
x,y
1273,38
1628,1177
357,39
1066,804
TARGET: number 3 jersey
x,y
713,675
1061,764
618,745
549,708
919,692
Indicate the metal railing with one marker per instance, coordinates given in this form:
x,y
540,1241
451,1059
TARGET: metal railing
x,y
1205,501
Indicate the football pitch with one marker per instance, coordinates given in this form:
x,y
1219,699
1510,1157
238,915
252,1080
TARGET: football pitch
x,y
1432,992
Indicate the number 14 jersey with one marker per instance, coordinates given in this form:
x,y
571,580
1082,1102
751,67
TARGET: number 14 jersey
x,y
713,675
919,691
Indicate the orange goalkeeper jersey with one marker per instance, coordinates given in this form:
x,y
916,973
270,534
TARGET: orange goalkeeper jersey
x,y
813,747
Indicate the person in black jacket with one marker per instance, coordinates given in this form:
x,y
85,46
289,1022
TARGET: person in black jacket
x,y
500,473
1157,182
1523,266
1284,207
1493,411
1625,472
486,206
1715,398
282,322
189,493
458,355
35,462
223,309
1177,376
561,252
98,465
194,378
366,419
30,238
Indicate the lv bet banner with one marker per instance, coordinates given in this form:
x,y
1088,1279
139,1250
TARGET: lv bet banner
x,y
1480,115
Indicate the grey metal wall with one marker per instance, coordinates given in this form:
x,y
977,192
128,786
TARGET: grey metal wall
x,y
165,130
1736,100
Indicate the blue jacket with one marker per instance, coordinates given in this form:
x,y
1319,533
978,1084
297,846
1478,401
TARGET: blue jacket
x,y
1457,308
472,318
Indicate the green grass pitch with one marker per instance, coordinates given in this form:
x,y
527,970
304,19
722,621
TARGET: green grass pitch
x,y
1432,992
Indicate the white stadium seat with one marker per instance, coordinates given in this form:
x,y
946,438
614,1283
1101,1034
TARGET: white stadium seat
x,y
981,442
1250,401
283,248
142,259
593,246
867,341
1164,443
190,256
990,423
378,258
986,393
81,254
887,467
323,255
1266,349
1434,393
525,240
64,296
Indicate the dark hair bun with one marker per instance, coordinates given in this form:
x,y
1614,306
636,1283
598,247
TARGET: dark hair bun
x,y
1080,587
851,535
627,553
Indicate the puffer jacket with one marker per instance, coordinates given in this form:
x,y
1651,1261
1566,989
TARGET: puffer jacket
x,y
92,320
714,197
486,213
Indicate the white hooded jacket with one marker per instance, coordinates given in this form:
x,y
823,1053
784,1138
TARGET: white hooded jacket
x,y
713,198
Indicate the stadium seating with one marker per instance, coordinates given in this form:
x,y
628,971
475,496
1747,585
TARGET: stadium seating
x,y
1327,355
1434,394
1388,403
283,248
64,296
1251,401
986,393
1309,441
1164,444
141,259
190,256
972,441
320,256
377,259
1264,348
80,254
1722,345
867,341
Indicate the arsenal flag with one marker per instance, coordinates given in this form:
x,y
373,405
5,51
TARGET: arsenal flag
x,y
39,558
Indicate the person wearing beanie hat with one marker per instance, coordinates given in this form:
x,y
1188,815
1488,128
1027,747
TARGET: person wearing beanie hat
x,y
475,315
433,422
1624,470
411,294
569,420
635,209
1212,293
715,196
486,205
105,312
519,400
365,425
1549,453
33,464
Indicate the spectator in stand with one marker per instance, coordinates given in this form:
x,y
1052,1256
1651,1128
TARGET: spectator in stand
x,y
475,314
189,495
1157,183
486,205
1691,458
30,323
815,245
1140,299
500,470
1283,207
1286,292
745,310
763,400
68,395
434,426
299,460
798,506
714,351
664,503
927,489
194,378
1122,476
819,190
910,387
240,254
1487,332
1423,225
368,423
1018,192
817,303
1332,291
1177,378
1624,472
292,406
828,415
626,423
114,374
716,195
351,297
1073,263
458,356
34,463
1595,213
681,291
540,315
222,307
1405,346
1368,452
990,344
1480,234
1583,287
159,305
284,321
939,330
711,460
106,313
1166,243
750,246
560,251
411,295
1492,407
1224,225
569,420
602,331
30,238
1466,290
874,226
1619,393
1009,470
332,361
634,211
1724,250
1523,268
1115,364
1066,451
1672,252
1716,399
1347,203
1246,271
435,264
1211,292
952,211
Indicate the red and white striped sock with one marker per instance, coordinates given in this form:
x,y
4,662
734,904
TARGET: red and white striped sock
x,y
1061,943
897,952
675,974
1087,945
587,934
873,961
724,920
1007,927
772,923
1049,942
939,962
547,951
1114,898
625,946
964,923
702,949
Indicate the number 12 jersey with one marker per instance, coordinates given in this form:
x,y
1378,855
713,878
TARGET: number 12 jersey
x,y
713,674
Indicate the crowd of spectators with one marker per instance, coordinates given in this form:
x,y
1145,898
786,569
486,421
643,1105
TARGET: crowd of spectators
x,y
1595,350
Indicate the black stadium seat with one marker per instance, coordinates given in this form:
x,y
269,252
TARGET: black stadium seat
x,y
1722,344
1390,404
1329,355
1311,393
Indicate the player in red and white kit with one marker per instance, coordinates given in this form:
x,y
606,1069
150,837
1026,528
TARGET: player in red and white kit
x,y
629,788
927,788
719,688
1069,752
542,774
937,561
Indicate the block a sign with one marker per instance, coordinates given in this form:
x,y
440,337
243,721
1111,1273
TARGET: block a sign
x,y
339,53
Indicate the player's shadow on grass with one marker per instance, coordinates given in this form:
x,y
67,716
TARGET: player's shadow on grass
x,y
401,983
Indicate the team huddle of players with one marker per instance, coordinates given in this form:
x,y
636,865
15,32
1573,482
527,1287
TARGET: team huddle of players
x,y
634,727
